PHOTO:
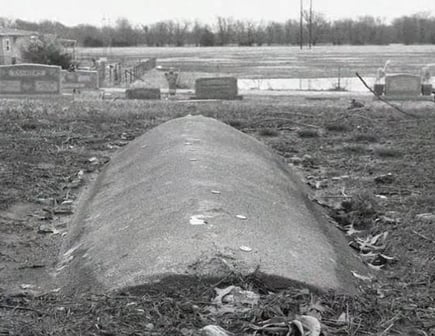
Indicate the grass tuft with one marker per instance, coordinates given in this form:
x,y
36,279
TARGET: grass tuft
x,y
308,133
367,138
336,127
268,132
235,123
387,152
356,149
359,211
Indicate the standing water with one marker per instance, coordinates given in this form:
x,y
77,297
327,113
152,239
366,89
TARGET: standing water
x,y
306,84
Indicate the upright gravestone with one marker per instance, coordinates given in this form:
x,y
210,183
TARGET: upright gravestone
x,y
403,86
216,88
80,80
171,78
101,68
30,79
143,93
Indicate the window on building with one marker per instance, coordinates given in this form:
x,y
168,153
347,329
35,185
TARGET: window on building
x,y
8,45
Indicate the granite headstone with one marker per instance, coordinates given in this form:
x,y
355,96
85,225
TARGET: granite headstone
x,y
216,88
30,79
402,85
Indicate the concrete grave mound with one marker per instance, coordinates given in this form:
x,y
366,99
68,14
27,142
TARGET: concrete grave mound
x,y
195,197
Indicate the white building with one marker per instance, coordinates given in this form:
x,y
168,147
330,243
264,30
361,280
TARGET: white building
x,y
11,41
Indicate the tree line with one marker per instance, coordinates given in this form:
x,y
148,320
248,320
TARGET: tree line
x,y
414,29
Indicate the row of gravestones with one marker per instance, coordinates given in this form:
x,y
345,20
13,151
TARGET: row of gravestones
x,y
28,79
205,88
38,79
34,79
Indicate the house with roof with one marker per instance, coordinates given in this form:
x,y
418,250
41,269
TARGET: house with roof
x,y
11,41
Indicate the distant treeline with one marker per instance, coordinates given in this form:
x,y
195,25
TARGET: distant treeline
x,y
413,29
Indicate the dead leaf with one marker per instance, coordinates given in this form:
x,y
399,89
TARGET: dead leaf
x,y
350,230
299,327
246,248
344,318
376,268
221,293
213,330
311,324
198,220
361,277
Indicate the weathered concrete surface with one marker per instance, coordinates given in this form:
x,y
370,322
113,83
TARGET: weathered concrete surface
x,y
135,225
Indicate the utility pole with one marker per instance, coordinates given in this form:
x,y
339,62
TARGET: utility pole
x,y
301,33
310,27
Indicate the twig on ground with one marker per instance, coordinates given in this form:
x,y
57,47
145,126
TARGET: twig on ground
x,y
294,114
31,266
423,236
22,308
388,329
397,108
343,192
288,120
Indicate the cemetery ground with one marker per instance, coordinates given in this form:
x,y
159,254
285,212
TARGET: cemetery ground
x,y
371,169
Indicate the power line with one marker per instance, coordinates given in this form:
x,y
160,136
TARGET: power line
x,y
301,28
310,26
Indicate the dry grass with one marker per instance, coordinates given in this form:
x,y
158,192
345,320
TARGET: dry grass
x,y
180,311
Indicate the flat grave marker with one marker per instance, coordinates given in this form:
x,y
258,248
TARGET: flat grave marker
x,y
30,79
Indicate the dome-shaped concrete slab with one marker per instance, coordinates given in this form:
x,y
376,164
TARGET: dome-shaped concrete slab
x,y
196,197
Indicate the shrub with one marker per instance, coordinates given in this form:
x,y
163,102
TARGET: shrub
x,y
46,50
207,39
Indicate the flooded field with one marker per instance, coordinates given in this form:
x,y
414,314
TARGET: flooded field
x,y
279,62
306,84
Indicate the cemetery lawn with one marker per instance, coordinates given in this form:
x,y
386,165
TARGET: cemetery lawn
x,y
372,170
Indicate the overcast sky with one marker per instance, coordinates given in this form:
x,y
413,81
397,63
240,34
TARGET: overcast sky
x,y
96,12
